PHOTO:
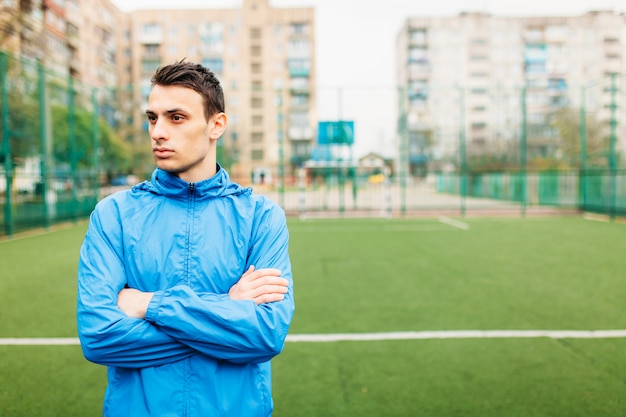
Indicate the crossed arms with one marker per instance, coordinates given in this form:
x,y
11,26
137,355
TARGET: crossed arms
x,y
260,286
126,327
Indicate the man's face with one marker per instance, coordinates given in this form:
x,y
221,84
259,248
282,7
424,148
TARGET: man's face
x,y
183,141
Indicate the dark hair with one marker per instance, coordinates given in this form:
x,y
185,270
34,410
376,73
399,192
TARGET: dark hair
x,y
196,77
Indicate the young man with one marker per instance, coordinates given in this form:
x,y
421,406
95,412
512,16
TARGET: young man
x,y
184,281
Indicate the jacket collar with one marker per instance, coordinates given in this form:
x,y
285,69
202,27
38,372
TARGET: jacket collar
x,y
169,185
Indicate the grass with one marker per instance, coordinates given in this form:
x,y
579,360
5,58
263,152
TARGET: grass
x,y
378,276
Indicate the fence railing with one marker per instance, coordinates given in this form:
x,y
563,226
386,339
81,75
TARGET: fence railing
x,y
460,150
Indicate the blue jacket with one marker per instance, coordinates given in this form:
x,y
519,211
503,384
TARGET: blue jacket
x,y
197,352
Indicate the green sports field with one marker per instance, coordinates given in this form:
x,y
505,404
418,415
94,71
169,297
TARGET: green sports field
x,y
424,279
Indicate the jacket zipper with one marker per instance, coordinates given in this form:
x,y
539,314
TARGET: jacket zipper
x,y
191,209
188,360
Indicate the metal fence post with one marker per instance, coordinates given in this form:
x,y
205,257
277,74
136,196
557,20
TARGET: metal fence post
x,y
96,142
613,140
72,146
582,178
523,161
404,156
44,136
6,148
462,152
281,151
302,186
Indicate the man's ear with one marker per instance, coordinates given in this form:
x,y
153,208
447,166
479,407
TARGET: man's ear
x,y
219,125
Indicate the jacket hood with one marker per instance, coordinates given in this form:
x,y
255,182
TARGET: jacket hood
x,y
169,185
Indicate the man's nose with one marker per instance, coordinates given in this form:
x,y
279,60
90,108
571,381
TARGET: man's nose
x,y
158,131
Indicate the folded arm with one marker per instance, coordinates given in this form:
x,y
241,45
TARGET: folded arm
x,y
109,336
250,323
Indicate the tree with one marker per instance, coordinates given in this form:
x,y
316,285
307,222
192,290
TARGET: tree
x,y
567,122
115,154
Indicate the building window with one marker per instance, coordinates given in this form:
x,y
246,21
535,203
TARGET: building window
x,y
256,102
214,64
418,36
299,28
149,66
300,100
257,137
418,54
479,41
257,155
299,48
299,67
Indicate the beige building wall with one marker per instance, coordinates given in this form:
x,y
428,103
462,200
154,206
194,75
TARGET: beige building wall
x,y
264,58
469,70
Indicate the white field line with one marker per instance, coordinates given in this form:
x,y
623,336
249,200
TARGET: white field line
x,y
47,341
458,334
339,337
454,223
386,228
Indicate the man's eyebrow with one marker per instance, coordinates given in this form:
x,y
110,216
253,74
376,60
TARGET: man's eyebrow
x,y
171,111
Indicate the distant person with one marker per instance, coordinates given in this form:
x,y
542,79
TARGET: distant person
x,y
184,281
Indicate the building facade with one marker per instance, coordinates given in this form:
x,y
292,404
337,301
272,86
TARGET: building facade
x,y
69,37
263,56
477,79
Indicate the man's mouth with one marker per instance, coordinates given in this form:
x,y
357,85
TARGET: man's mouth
x,y
162,152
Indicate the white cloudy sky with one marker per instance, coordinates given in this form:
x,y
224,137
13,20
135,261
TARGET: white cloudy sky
x,y
355,50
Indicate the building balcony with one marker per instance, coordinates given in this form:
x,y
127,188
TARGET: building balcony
x,y
300,133
300,89
299,159
74,64
299,72
299,107
151,38
72,40
151,56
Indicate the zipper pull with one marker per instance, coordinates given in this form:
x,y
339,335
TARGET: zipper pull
x,y
191,188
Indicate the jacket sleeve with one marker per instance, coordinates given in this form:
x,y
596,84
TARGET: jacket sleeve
x,y
237,331
107,335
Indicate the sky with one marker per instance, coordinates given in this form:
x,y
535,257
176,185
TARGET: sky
x,y
355,50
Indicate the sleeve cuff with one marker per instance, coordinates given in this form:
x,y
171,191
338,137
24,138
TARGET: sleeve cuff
x,y
153,308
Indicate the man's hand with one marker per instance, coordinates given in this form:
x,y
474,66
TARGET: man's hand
x,y
134,303
260,286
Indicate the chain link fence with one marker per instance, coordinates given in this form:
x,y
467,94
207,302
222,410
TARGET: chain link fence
x,y
416,149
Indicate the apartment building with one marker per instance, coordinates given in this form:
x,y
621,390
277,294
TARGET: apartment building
x,y
465,78
21,26
263,56
69,37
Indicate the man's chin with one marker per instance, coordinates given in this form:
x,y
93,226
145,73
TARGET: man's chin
x,y
168,167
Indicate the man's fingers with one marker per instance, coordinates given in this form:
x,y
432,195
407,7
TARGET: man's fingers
x,y
268,298
261,285
270,289
259,273
268,281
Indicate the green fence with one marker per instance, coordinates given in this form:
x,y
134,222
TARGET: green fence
x,y
55,134
459,149
597,191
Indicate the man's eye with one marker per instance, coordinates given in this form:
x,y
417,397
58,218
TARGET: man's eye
x,y
177,118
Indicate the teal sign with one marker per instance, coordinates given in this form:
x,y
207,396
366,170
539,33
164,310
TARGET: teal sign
x,y
335,133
